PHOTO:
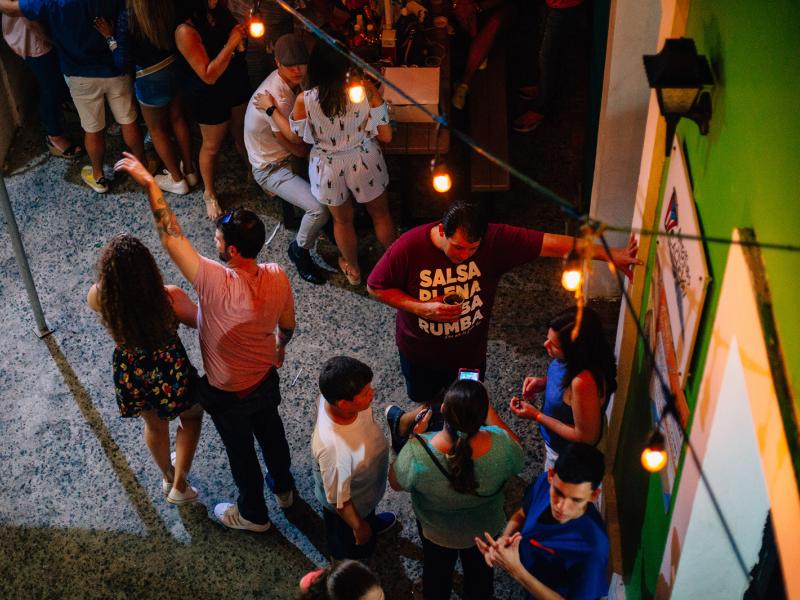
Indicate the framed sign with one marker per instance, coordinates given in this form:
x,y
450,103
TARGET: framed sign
x,y
684,271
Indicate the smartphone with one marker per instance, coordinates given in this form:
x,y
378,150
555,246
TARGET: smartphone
x,y
475,375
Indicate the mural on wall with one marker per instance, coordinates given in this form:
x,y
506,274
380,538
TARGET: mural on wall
x,y
684,270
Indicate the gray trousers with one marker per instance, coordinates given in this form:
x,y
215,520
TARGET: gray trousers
x,y
280,180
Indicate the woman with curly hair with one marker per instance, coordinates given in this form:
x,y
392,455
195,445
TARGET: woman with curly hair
x,y
152,373
457,478
580,380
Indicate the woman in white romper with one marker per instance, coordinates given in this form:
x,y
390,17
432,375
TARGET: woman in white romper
x,y
346,158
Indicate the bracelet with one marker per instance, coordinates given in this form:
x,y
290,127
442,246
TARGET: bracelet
x,y
112,43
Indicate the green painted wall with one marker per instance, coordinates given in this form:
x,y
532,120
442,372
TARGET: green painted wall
x,y
745,173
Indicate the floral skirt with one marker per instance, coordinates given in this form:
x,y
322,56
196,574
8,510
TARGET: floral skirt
x,y
159,379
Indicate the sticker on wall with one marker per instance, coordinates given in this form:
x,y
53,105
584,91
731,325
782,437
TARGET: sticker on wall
x,y
684,269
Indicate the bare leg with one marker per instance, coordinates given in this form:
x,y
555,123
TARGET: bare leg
x,y
213,135
156,436
182,134
345,233
237,130
96,148
157,119
378,209
132,134
186,438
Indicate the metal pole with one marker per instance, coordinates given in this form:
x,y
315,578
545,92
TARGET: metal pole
x,y
22,262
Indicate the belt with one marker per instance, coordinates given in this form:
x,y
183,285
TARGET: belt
x,y
156,67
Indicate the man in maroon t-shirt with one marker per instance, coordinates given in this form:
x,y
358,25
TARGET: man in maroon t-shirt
x,y
442,277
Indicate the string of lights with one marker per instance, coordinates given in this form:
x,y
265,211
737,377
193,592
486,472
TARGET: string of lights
x,y
573,278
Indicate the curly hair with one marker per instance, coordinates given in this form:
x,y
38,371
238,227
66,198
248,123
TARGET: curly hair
x,y
134,305
466,404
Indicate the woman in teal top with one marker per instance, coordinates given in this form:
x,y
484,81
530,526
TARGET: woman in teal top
x,y
477,453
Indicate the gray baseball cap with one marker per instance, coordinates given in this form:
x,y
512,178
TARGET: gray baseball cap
x,y
290,50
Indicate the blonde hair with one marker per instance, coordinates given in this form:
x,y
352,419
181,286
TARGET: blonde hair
x,y
153,21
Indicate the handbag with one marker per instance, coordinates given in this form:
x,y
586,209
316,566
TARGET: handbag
x,y
446,473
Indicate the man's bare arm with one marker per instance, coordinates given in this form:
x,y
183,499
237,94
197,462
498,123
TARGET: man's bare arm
x,y
169,230
10,8
558,246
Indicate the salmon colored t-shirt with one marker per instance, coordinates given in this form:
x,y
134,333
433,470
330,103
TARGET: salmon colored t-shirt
x,y
237,318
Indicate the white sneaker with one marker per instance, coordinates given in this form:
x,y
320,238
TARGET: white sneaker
x,y
286,499
191,178
168,184
185,497
228,515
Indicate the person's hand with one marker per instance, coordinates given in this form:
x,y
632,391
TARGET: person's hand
x,y
237,34
465,13
436,310
625,258
280,355
533,385
524,409
362,533
130,164
505,554
421,420
103,26
263,100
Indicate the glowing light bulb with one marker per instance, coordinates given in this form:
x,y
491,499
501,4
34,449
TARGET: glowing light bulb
x,y
442,182
257,28
571,279
654,456
356,93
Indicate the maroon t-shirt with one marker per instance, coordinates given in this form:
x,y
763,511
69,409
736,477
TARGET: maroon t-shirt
x,y
414,265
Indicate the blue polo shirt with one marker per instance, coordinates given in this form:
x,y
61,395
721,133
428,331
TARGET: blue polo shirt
x,y
570,558
82,50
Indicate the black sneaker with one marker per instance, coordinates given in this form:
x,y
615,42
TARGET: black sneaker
x,y
393,414
305,265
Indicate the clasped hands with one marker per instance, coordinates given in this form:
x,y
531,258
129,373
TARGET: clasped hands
x,y
502,552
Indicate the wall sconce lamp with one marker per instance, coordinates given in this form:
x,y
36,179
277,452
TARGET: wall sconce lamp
x,y
678,74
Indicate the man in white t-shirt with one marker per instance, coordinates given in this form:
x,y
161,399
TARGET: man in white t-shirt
x,y
352,460
272,156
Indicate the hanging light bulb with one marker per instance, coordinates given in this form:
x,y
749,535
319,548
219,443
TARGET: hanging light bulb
x,y
256,26
440,177
355,89
572,277
654,456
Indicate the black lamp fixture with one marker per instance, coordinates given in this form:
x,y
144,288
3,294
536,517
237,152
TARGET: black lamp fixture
x,y
678,75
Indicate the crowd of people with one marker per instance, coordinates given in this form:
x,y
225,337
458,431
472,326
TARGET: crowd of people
x,y
452,451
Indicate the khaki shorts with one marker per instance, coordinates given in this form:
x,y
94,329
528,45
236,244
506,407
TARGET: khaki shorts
x,y
89,93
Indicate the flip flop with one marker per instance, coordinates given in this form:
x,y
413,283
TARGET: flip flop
x,y
353,276
74,151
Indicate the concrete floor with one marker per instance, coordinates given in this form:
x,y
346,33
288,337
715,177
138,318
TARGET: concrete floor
x,y
81,511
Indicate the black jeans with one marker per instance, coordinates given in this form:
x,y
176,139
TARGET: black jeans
x,y
342,541
438,564
238,420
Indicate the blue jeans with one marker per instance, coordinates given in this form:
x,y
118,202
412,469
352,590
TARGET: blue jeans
x,y
238,420
52,90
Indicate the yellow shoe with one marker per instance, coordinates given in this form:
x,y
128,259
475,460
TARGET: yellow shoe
x,y
98,185
460,96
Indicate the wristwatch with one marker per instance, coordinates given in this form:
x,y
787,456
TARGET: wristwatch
x,y
270,110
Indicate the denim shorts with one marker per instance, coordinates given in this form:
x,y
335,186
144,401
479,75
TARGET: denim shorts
x,y
159,88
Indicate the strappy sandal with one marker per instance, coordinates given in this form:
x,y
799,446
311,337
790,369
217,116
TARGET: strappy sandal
x,y
353,276
74,151
213,209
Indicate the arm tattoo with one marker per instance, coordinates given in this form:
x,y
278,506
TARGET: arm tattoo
x,y
167,222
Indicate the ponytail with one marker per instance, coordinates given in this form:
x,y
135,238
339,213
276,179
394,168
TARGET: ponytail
x,y
466,404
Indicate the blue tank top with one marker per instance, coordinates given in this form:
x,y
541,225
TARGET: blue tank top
x,y
554,405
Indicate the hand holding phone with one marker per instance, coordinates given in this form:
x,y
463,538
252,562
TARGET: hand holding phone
x,y
473,374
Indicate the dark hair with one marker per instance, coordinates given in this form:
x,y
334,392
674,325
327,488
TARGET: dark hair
x,y
342,378
327,71
469,218
589,351
134,305
346,580
242,228
466,404
198,13
580,463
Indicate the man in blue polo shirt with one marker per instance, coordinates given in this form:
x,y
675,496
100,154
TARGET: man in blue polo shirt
x,y
92,78
556,545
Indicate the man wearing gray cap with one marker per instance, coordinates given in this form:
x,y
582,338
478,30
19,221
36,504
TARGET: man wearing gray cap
x,y
272,156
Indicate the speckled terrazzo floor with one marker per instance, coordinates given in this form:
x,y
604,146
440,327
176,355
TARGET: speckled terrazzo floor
x,y
81,511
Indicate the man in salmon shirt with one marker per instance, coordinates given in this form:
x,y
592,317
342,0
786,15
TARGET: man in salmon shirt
x,y
245,319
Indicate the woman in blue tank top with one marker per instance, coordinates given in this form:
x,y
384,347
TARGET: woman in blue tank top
x,y
579,381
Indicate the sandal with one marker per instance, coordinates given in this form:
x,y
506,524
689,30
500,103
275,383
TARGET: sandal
x,y
74,151
213,209
353,276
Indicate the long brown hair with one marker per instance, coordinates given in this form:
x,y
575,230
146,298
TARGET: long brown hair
x,y
327,71
134,305
153,21
466,404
